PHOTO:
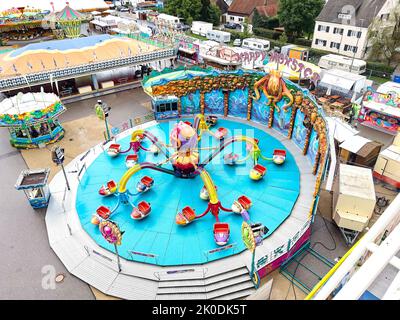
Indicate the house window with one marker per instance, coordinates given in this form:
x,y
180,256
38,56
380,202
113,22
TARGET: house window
x,y
353,33
335,45
385,17
338,31
320,42
240,19
231,18
353,49
323,28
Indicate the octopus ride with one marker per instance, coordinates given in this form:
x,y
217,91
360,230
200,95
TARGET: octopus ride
x,y
183,154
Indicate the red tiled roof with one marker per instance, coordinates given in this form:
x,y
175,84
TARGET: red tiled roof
x,y
246,7
269,10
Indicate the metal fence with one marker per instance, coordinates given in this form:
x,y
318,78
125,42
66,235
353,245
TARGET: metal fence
x,y
130,123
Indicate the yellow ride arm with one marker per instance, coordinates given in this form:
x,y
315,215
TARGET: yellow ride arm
x,y
209,184
125,178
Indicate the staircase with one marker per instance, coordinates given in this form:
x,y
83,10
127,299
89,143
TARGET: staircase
x,y
234,283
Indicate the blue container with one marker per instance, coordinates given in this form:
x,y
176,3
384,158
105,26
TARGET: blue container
x,y
396,78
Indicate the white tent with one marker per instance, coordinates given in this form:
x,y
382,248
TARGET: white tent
x,y
58,4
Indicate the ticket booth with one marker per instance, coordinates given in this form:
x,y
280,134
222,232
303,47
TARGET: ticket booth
x,y
34,184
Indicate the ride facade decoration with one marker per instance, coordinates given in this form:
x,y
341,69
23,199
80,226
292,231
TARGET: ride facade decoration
x,y
265,98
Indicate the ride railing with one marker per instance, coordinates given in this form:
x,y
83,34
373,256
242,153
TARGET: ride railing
x,y
356,271
231,246
129,124
133,253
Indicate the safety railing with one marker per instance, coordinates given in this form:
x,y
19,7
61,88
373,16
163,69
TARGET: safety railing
x,y
361,265
232,246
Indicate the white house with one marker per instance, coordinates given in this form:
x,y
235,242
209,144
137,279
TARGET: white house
x,y
342,26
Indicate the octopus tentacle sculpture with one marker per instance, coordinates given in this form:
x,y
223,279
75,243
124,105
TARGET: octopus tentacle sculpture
x,y
274,88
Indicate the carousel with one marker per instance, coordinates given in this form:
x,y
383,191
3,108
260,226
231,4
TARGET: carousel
x,y
32,119
66,23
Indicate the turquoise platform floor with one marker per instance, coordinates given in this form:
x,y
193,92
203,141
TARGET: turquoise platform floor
x,y
273,198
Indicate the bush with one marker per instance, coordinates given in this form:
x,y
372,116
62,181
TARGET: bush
x,y
380,68
303,42
267,33
237,35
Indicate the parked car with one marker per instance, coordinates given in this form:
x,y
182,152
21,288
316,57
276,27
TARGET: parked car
x,y
183,27
237,42
231,25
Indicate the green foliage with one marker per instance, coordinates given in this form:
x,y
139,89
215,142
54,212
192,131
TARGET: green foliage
x,y
260,21
298,17
215,15
283,38
266,33
303,42
192,10
384,37
380,69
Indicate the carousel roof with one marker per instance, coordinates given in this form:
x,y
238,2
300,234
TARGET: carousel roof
x,y
69,14
59,54
29,108
28,102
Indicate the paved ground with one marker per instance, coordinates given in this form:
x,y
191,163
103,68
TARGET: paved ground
x,y
24,244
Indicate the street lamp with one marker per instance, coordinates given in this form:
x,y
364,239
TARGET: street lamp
x,y
58,156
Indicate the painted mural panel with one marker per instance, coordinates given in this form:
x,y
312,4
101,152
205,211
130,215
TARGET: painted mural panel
x,y
238,103
282,118
299,131
214,102
260,110
313,147
191,103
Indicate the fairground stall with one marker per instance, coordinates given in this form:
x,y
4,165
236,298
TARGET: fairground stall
x,y
34,184
381,111
32,119
22,24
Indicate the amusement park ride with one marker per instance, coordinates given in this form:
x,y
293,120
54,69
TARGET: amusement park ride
x,y
185,160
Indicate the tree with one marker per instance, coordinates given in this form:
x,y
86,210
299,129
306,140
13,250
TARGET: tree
x,y
192,10
384,37
260,21
215,15
188,10
283,39
298,17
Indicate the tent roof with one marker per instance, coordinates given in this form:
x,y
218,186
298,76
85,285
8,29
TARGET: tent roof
x,y
69,14
354,143
340,129
356,181
59,54
27,102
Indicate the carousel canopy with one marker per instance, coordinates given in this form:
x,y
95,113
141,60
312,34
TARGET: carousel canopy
x,y
29,108
27,102
58,5
69,14
58,54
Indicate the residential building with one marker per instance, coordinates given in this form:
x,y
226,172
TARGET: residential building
x,y
342,26
239,10
222,5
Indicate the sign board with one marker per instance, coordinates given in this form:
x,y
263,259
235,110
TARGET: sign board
x,y
57,155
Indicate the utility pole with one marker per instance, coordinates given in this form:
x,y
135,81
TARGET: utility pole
x,y
358,39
